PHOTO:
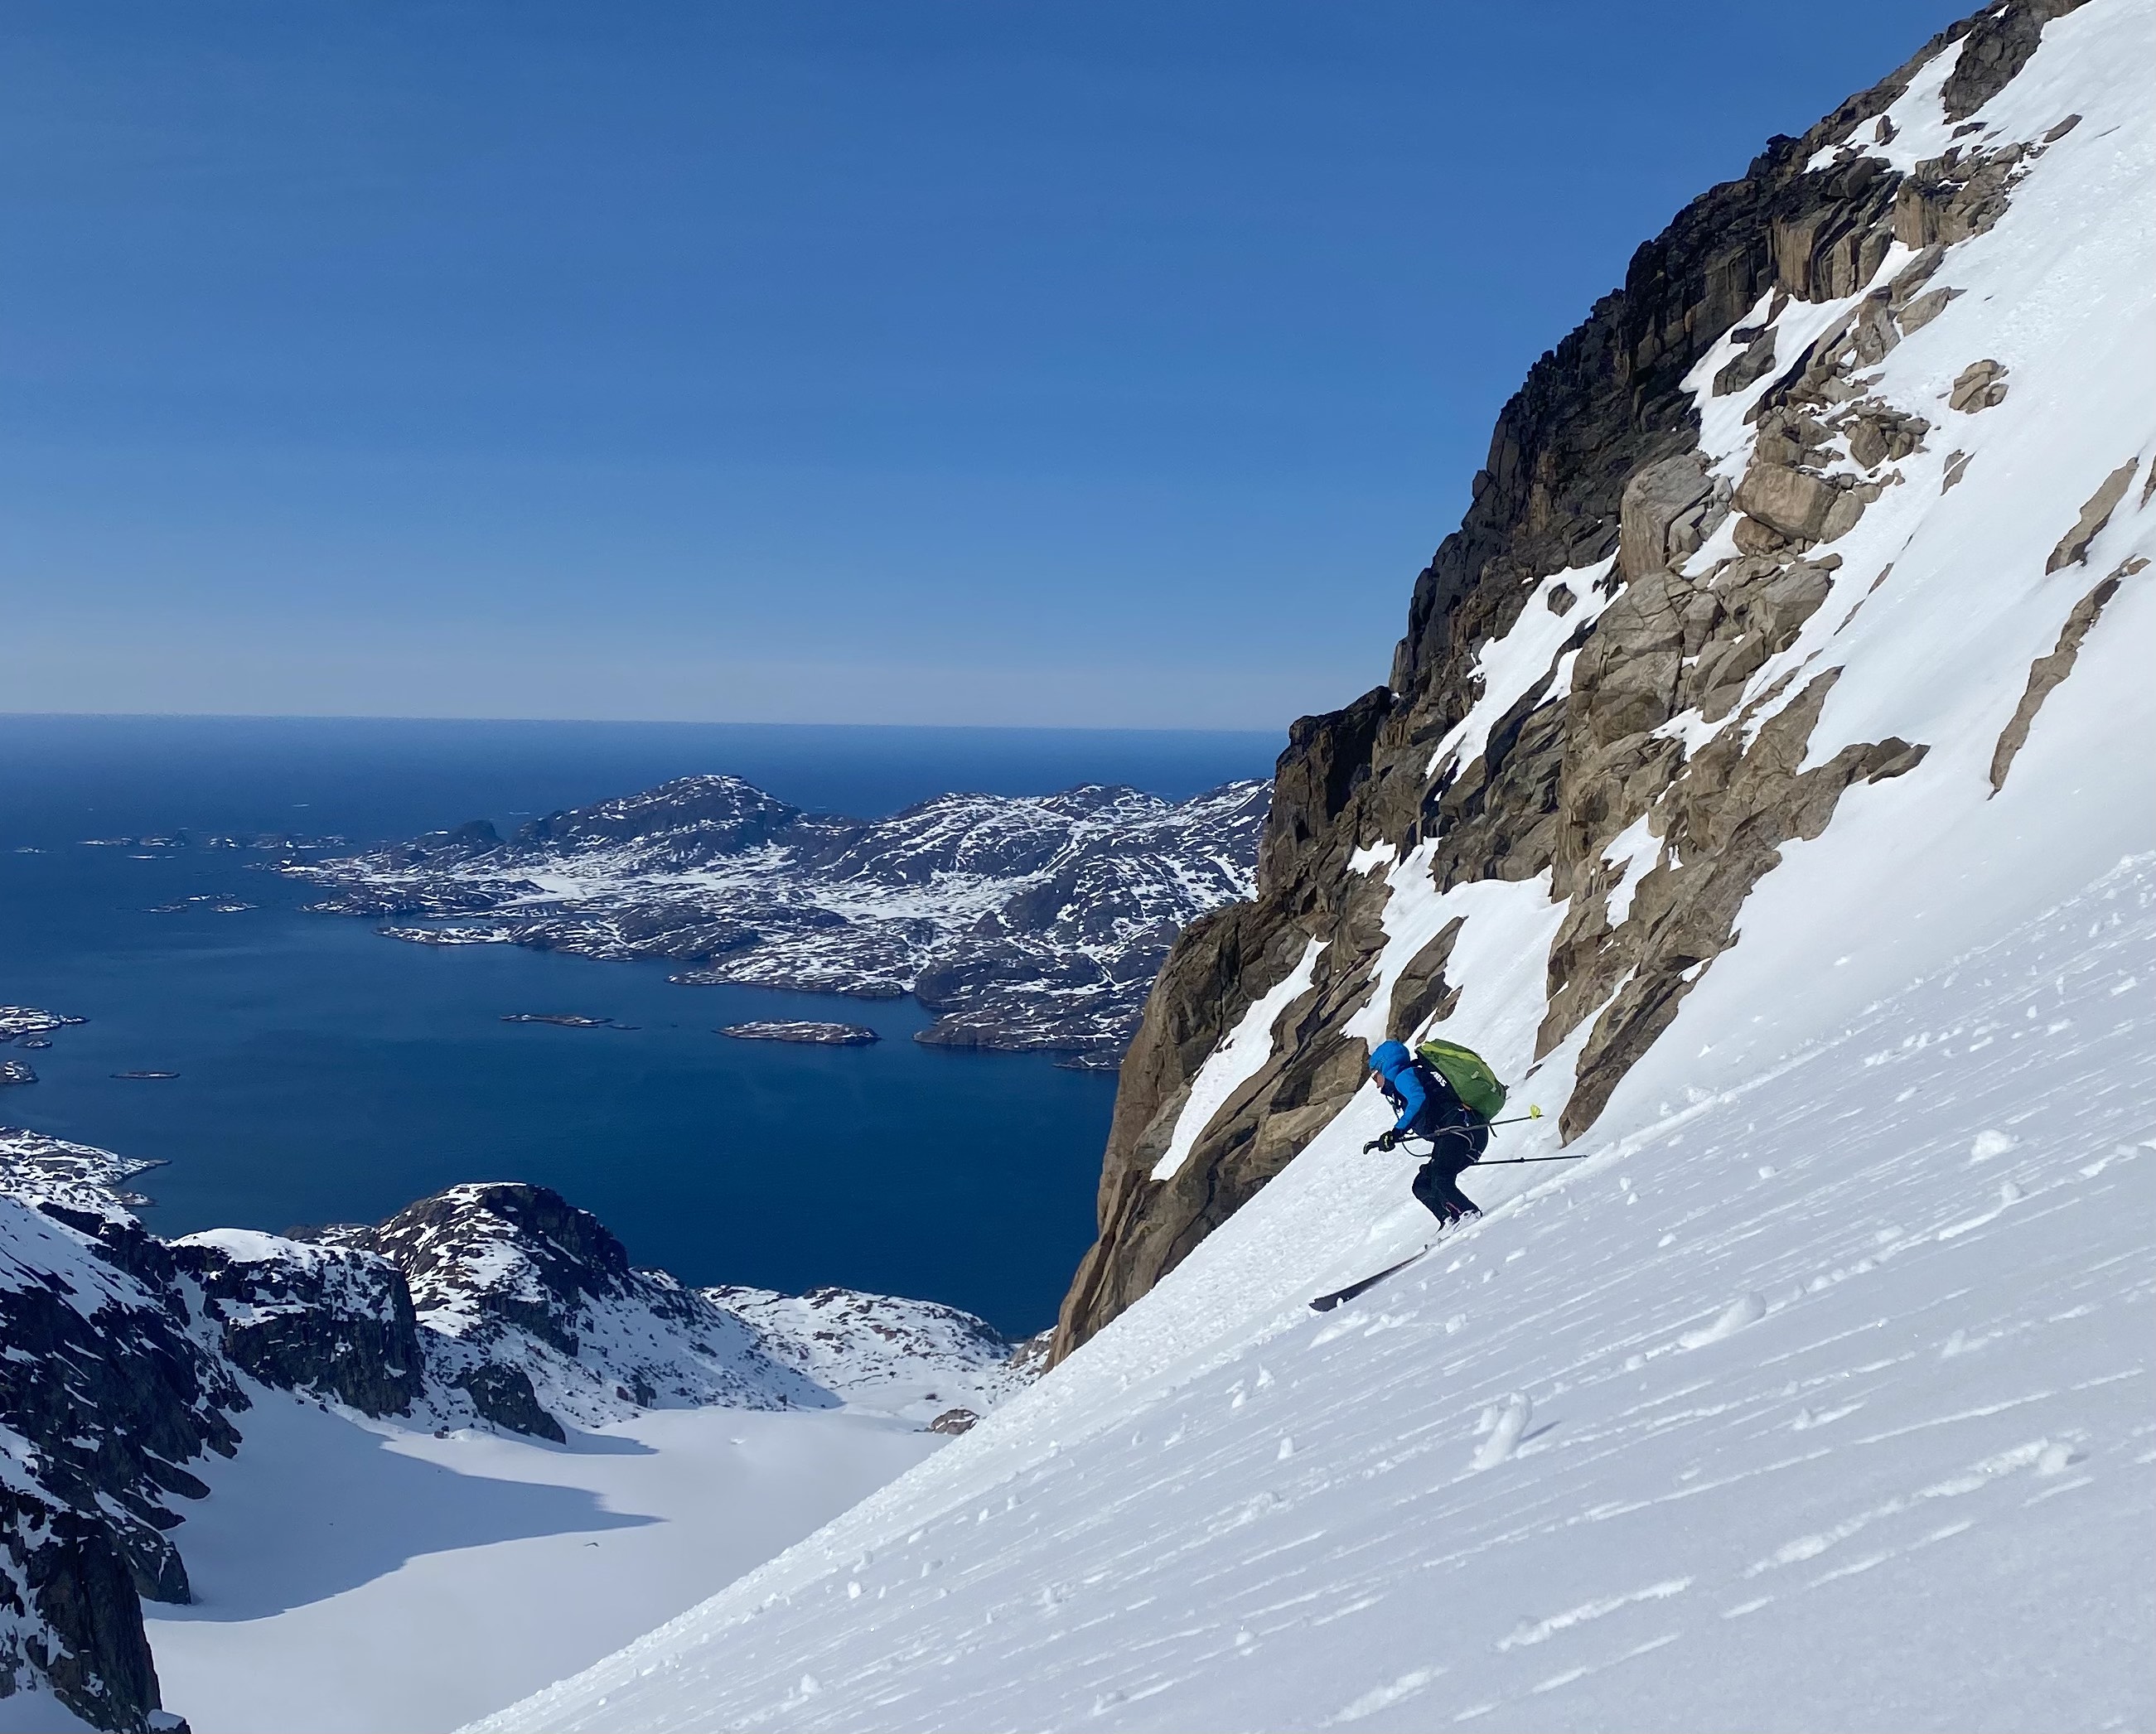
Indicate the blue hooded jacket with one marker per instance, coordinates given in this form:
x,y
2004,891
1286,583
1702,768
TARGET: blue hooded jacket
x,y
1391,1061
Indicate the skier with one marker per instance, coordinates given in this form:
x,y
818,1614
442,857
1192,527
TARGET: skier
x,y
1429,1107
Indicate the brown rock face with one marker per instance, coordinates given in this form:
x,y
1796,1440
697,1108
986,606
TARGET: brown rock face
x,y
2074,545
1981,385
1999,43
1952,196
1593,470
2047,671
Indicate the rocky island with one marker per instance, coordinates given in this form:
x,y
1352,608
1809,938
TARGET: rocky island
x,y
826,1035
27,1024
1026,922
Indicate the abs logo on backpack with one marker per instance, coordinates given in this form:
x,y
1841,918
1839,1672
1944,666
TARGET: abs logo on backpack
x,y
1468,1074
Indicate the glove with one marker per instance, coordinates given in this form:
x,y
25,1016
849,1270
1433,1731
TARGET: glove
x,y
1386,1140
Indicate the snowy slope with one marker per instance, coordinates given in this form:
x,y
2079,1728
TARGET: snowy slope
x,y
354,1576
1817,1394
1849,1361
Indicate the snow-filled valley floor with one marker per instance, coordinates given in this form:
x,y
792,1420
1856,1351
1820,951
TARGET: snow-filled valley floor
x,y
1821,1401
358,1576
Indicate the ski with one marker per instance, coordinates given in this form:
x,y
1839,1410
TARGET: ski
x,y
1325,1303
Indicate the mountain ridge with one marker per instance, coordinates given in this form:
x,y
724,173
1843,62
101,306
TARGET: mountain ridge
x,y
493,1306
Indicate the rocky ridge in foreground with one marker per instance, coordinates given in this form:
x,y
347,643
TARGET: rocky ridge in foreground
x,y
1025,922
495,1306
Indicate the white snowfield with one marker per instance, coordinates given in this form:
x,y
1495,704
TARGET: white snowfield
x,y
1835,1385
1818,1394
355,1576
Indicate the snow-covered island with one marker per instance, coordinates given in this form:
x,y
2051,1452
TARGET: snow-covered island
x,y
822,1035
1027,922
27,1027
18,1021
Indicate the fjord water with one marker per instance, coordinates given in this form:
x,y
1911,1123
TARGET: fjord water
x,y
326,1074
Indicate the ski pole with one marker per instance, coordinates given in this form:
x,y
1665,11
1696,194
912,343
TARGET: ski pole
x,y
1534,1112
1513,1161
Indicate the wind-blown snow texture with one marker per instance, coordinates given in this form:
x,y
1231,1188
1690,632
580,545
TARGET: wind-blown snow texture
x,y
1027,921
1817,1394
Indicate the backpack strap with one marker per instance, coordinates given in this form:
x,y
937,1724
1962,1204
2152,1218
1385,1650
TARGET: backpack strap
x,y
1436,1086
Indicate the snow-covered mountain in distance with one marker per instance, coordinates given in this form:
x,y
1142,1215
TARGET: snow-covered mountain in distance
x,y
1766,787
1025,921
495,1307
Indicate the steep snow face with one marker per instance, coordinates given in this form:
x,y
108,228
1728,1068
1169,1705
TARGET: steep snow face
x,y
1850,1360
1231,1064
1815,1391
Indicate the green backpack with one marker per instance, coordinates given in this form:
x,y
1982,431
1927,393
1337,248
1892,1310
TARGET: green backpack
x,y
1468,1074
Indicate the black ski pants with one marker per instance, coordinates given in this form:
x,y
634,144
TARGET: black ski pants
x,y
1460,1145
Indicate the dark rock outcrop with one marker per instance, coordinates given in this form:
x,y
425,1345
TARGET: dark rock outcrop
x,y
335,1322
2047,671
2074,545
63,1577
504,1396
109,1395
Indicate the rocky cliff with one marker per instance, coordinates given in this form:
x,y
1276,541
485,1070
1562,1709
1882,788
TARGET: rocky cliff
x,y
1611,690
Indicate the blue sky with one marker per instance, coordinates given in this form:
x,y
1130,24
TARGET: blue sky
x,y
1024,362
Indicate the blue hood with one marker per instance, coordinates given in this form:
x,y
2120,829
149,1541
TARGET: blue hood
x,y
1391,1058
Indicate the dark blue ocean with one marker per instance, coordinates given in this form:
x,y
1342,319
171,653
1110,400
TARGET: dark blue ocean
x,y
326,1074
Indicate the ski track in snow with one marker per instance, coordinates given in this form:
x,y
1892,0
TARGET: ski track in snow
x,y
1761,1412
